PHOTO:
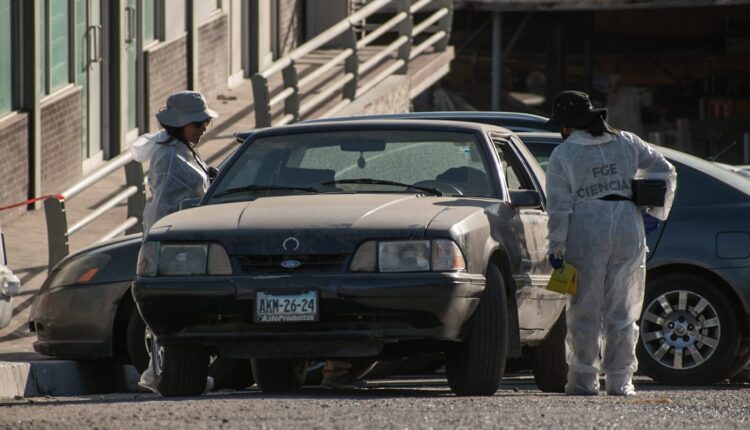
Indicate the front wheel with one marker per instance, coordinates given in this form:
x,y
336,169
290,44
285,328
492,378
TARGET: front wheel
x,y
180,369
475,366
688,332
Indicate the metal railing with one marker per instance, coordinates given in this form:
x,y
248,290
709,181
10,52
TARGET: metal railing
x,y
402,22
58,232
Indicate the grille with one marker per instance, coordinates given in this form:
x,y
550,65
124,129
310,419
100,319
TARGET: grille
x,y
252,264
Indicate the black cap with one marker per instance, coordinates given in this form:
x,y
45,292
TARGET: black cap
x,y
574,109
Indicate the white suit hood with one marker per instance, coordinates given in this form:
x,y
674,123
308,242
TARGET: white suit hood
x,y
144,146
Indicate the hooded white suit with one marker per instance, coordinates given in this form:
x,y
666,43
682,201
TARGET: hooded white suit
x,y
605,240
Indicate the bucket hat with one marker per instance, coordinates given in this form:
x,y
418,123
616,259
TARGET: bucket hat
x,y
185,107
574,109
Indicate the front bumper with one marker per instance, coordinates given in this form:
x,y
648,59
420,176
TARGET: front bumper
x,y
77,321
359,313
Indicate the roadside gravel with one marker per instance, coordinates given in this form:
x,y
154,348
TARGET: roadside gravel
x,y
393,404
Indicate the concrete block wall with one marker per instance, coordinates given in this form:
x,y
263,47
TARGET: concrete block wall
x,y
14,162
213,56
290,25
61,134
166,73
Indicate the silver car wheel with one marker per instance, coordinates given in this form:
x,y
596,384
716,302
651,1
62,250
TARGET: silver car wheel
x,y
680,329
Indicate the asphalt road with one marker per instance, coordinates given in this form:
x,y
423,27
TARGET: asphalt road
x,y
392,404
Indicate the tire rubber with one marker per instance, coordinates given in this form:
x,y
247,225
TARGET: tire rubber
x,y
184,370
279,375
476,365
233,373
548,359
135,343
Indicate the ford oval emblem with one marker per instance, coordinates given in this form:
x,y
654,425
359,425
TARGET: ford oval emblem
x,y
290,264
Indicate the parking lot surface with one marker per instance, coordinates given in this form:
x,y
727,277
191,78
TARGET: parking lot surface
x,y
393,404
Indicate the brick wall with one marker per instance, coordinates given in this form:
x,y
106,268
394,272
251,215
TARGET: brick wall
x,y
290,23
166,73
14,162
213,57
61,119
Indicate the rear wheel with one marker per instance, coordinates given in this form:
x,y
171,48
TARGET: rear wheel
x,y
234,373
688,332
136,342
279,375
476,365
180,370
550,367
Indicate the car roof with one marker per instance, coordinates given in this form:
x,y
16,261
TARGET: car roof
x,y
376,124
731,178
517,121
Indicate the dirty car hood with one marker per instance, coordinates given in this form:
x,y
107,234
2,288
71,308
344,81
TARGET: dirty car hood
x,y
321,223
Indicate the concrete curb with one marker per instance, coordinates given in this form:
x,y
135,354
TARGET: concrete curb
x,y
65,378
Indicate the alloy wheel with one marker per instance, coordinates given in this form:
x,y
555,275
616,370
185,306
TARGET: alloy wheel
x,y
680,329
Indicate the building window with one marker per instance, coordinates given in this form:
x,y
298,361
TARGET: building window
x,y
6,57
55,45
149,21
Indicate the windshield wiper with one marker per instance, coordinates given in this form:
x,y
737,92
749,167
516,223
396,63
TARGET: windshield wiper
x,y
430,190
247,188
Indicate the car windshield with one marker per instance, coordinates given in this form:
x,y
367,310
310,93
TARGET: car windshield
x,y
358,161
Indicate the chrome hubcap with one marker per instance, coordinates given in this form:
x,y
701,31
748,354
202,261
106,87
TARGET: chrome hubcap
x,y
680,329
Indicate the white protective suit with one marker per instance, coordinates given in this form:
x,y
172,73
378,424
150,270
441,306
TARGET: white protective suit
x,y
175,174
605,240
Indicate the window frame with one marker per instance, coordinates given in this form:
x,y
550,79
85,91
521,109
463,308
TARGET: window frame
x,y
45,79
15,52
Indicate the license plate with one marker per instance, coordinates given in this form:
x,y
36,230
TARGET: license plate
x,y
270,308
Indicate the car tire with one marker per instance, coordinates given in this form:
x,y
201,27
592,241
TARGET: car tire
x,y
663,332
135,342
232,373
183,370
548,359
279,375
476,365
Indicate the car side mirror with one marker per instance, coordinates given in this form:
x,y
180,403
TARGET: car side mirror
x,y
530,199
189,203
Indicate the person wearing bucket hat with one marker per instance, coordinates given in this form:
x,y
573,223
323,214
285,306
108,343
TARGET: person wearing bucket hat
x,y
176,170
594,224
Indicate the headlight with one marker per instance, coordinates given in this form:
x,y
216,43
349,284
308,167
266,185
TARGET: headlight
x,y
183,259
438,255
405,256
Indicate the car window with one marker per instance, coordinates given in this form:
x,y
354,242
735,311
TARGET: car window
x,y
452,162
516,176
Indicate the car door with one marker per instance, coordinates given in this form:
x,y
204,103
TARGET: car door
x,y
538,308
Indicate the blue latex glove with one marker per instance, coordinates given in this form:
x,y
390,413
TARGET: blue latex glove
x,y
650,223
555,262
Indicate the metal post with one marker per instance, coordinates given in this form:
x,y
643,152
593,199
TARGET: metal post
x,y
136,202
57,231
496,60
445,23
261,97
746,148
30,93
291,103
351,64
192,46
405,29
